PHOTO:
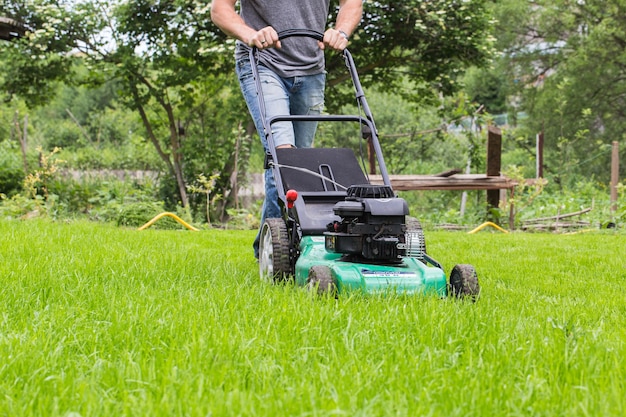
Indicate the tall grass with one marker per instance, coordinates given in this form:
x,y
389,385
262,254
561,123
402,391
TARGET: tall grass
x,y
103,321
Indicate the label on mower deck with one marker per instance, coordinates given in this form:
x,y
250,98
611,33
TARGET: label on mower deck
x,y
382,281
387,274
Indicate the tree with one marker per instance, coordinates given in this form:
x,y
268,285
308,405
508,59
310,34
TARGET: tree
x,y
156,49
30,66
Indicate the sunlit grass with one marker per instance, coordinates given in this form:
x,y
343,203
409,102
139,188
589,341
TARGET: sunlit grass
x,y
102,321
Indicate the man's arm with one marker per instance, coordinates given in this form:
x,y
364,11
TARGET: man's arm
x,y
348,18
225,17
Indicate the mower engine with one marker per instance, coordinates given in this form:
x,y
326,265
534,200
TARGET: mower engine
x,y
372,226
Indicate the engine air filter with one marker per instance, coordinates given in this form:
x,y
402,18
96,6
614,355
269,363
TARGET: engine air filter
x,y
369,191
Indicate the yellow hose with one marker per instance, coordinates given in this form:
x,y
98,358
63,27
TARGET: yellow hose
x,y
482,226
167,214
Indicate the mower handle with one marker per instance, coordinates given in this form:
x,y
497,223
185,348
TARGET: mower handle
x,y
360,96
301,32
283,34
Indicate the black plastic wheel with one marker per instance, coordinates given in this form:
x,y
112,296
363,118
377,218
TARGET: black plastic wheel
x,y
274,264
321,280
414,231
464,282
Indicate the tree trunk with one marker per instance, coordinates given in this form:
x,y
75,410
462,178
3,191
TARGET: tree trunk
x,y
175,168
176,154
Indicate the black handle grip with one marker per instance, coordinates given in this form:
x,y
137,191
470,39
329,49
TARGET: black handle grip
x,y
301,32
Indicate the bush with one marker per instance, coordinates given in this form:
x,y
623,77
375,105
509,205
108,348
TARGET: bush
x,y
11,170
131,156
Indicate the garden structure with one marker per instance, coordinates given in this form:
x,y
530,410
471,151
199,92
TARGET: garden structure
x,y
11,29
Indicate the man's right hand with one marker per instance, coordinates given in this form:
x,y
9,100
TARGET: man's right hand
x,y
265,38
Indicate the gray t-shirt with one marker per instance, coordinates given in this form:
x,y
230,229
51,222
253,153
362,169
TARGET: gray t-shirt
x,y
298,55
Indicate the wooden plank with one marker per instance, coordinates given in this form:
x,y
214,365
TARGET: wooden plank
x,y
455,182
559,216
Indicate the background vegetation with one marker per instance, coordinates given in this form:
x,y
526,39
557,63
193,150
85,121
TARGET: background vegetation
x,y
148,86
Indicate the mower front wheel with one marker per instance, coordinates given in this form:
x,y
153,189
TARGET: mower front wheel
x,y
274,264
321,280
464,282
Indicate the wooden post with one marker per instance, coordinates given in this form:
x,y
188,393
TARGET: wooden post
x,y
614,175
371,153
512,211
494,162
539,156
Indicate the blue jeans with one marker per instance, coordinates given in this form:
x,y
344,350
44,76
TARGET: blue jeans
x,y
298,95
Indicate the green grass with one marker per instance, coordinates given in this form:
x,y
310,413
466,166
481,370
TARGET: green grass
x,y
102,321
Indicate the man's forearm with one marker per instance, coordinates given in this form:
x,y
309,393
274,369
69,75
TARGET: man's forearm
x,y
225,17
349,16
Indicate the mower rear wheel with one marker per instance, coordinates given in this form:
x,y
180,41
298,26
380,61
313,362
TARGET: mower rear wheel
x,y
414,228
321,280
464,282
274,264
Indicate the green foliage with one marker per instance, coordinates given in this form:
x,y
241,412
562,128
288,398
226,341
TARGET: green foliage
x,y
586,193
435,209
244,219
51,192
35,199
36,61
431,43
523,196
11,169
138,214
85,115
155,52
100,198
487,87
132,155
206,186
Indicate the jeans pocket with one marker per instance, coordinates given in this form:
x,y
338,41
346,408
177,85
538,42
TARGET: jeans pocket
x,y
243,69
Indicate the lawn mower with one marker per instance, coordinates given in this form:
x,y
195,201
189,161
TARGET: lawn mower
x,y
338,232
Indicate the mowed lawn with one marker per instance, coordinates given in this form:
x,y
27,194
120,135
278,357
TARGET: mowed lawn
x,y
103,321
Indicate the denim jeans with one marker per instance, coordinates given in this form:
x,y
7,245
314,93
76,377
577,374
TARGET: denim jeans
x,y
298,95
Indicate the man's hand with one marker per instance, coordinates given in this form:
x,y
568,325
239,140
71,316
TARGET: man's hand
x,y
334,39
265,38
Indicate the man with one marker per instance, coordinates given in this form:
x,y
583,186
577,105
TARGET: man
x,y
291,71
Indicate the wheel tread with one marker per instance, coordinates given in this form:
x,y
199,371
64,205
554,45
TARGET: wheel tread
x,y
279,238
320,279
464,282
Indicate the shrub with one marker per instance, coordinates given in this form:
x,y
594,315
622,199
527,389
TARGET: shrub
x,y
11,170
138,214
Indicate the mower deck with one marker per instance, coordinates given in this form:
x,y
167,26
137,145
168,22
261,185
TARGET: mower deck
x,y
410,276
